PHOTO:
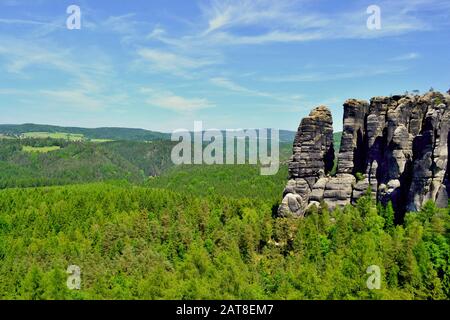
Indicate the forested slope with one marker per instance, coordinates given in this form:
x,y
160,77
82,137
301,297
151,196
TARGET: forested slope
x,y
68,162
153,157
236,181
195,232
74,163
140,243
79,162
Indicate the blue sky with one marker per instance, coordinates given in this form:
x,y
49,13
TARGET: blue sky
x,y
162,64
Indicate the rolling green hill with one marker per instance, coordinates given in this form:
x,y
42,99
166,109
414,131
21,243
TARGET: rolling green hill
x,y
73,163
153,157
97,133
41,162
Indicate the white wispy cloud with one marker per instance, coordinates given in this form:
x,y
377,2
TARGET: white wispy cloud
x,y
224,38
40,26
168,100
21,55
232,86
62,99
30,22
124,24
196,51
175,63
12,92
88,83
226,22
78,99
406,57
332,76
156,33
228,14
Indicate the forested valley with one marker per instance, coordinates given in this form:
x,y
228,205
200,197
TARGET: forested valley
x,y
140,228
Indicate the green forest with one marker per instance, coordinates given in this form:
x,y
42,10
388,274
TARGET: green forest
x,y
139,228
142,243
75,162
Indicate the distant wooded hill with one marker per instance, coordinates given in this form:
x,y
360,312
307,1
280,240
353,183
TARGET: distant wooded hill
x,y
97,133
42,162
51,155
109,133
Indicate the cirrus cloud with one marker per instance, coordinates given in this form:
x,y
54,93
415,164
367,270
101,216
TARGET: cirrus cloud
x,y
168,100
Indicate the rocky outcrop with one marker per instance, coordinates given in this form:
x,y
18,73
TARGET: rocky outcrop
x,y
395,147
313,157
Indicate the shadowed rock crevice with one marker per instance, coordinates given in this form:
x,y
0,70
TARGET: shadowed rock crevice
x,y
442,197
360,153
394,146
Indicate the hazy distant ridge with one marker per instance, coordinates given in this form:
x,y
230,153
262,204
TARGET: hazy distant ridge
x,y
106,133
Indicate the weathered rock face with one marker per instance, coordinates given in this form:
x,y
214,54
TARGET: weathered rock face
x,y
351,156
396,147
430,167
312,159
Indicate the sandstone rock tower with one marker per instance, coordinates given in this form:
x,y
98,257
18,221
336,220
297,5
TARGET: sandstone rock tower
x,y
312,159
394,146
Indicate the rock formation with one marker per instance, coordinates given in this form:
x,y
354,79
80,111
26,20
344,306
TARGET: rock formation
x,y
396,147
312,159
